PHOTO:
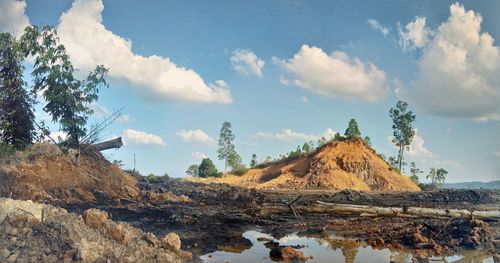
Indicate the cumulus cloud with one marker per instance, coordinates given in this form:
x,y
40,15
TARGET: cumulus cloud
x,y
140,137
414,35
196,136
336,75
245,62
417,148
375,25
12,17
89,43
288,135
198,155
459,70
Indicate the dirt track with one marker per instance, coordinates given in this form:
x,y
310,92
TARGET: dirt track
x,y
218,214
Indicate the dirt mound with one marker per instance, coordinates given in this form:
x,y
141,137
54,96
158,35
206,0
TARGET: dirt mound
x,y
337,165
44,172
32,232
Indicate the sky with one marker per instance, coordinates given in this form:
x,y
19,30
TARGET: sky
x,y
284,72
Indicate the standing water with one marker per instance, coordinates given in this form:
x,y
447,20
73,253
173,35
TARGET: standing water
x,y
327,249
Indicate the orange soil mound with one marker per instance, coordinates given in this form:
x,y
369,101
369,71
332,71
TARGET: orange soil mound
x,y
43,172
337,165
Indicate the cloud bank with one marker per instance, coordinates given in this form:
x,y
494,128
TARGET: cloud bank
x,y
288,135
245,62
131,136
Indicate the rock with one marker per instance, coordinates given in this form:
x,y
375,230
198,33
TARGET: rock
x,y
151,239
119,233
287,254
95,218
171,241
18,220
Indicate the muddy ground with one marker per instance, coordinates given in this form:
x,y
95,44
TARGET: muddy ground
x,y
217,215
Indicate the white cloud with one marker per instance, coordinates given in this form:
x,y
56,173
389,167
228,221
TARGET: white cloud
x,y
89,43
196,136
12,17
417,148
198,155
101,111
459,70
140,137
414,35
58,136
284,80
375,25
288,135
336,75
245,62
305,99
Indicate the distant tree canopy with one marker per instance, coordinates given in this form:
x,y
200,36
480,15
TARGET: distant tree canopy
x,y
403,131
253,161
193,170
352,130
437,176
368,141
16,114
208,169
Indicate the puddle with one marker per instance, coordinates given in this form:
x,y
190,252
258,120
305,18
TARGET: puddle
x,y
327,249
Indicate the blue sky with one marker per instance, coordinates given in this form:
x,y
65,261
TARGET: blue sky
x,y
283,72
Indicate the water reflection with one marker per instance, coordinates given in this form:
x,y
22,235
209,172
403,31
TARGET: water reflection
x,y
329,248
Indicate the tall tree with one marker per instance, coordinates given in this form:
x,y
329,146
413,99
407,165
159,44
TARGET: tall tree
x,y
253,161
208,169
437,176
352,130
68,98
403,131
368,141
414,171
16,114
226,149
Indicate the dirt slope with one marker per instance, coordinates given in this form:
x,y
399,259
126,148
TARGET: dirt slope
x,y
43,172
337,165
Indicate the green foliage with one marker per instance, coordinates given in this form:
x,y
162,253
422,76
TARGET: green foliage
x,y
403,131
414,171
16,114
239,169
226,149
208,169
6,150
193,170
154,177
53,76
352,130
306,148
118,163
427,187
253,161
322,142
368,141
437,176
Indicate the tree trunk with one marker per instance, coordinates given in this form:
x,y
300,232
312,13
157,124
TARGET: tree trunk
x,y
331,208
114,143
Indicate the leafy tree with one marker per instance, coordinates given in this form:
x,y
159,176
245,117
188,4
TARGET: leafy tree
x,y
352,130
193,170
306,148
16,114
322,141
414,171
253,161
368,141
393,162
208,169
68,98
403,131
268,159
226,149
118,163
234,161
296,153
437,176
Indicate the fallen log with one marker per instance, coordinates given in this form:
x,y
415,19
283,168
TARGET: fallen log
x,y
105,145
332,208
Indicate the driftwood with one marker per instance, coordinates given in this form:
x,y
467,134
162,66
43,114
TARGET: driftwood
x,y
114,143
365,210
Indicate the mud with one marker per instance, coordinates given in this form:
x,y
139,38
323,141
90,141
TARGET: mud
x,y
217,214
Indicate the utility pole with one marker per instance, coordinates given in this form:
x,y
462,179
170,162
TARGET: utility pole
x,y
134,162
